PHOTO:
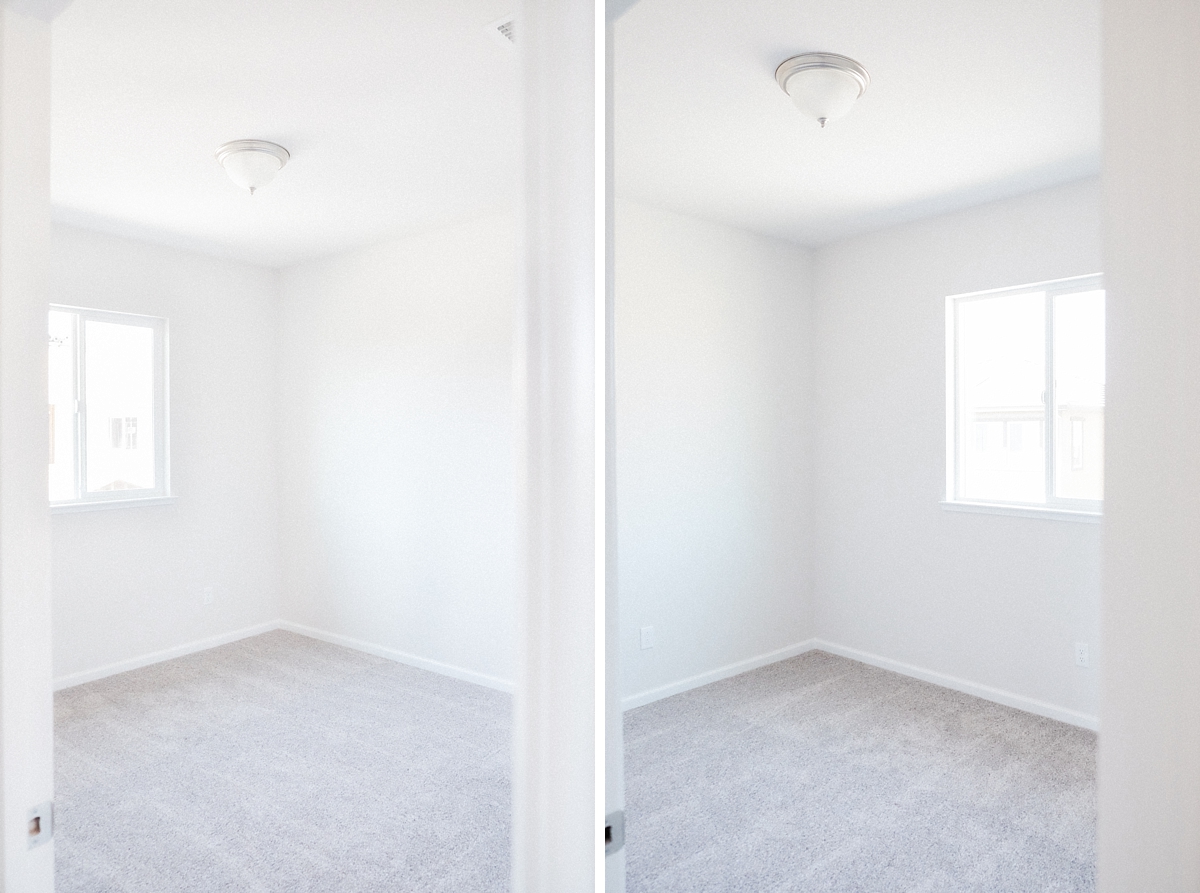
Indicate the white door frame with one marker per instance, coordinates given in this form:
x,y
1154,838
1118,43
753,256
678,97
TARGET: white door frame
x,y
26,672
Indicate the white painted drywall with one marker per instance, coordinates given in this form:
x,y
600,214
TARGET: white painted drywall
x,y
131,581
614,723
999,601
713,351
26,708
1149,766
396,446
558,745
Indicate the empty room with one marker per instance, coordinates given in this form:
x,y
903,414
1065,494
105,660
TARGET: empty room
x,y
561,446
282,474
860,631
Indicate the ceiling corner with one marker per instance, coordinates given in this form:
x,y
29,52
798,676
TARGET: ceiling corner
x,y
46,10
614,9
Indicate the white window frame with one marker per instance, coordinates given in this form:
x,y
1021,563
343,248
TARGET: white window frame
x,y
1055,506
83,500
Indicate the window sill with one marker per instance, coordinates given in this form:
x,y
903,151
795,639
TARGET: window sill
x,y
1023,511
67,508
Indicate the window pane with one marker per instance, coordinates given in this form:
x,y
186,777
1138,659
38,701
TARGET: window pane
x,y
1001,379
119,372
1079,395
62,406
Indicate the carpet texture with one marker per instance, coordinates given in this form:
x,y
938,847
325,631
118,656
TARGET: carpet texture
x,y
280,763
823,774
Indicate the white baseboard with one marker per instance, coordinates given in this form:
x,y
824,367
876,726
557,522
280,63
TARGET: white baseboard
x,y
742,666
400,657
986,692
996,695
155,657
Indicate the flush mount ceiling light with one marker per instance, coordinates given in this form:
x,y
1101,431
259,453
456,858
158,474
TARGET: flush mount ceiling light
x,y
252,164
823,85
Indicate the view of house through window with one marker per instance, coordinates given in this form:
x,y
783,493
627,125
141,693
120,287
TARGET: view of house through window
x,y
1025,396
107,406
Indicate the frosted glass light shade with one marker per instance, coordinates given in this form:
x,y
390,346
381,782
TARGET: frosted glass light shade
x,y
823,86
252,164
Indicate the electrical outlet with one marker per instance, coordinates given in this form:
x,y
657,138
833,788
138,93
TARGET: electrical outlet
x,y
207,595
1081,654
647,637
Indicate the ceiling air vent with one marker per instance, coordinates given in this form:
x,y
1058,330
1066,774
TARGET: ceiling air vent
x,y
504,31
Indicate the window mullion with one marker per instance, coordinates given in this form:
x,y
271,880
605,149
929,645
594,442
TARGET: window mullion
x,y
1049,404
80,409
957,410
162,470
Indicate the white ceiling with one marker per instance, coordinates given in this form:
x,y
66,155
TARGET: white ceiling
x,y
970,100
399,114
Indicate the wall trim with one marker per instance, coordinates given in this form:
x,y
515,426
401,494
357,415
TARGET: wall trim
x,y
154,657
651,695
400,657
986,692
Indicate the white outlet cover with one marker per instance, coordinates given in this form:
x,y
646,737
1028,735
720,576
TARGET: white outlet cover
x,y
1081,654
647,637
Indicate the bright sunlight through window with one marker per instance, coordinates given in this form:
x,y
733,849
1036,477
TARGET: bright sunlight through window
x,y
1025,396
108,399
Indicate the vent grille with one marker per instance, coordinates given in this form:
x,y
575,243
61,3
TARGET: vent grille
x,y
504,30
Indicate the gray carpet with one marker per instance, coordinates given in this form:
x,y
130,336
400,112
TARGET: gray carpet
x,y
284,764
823,774
280,763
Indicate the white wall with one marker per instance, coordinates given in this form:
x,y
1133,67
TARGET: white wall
x,y
996,601
558,750
1149,766
26,709
396,447
712,357
129,582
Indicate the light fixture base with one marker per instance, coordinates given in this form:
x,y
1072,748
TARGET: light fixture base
x,y
804,61
252,164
